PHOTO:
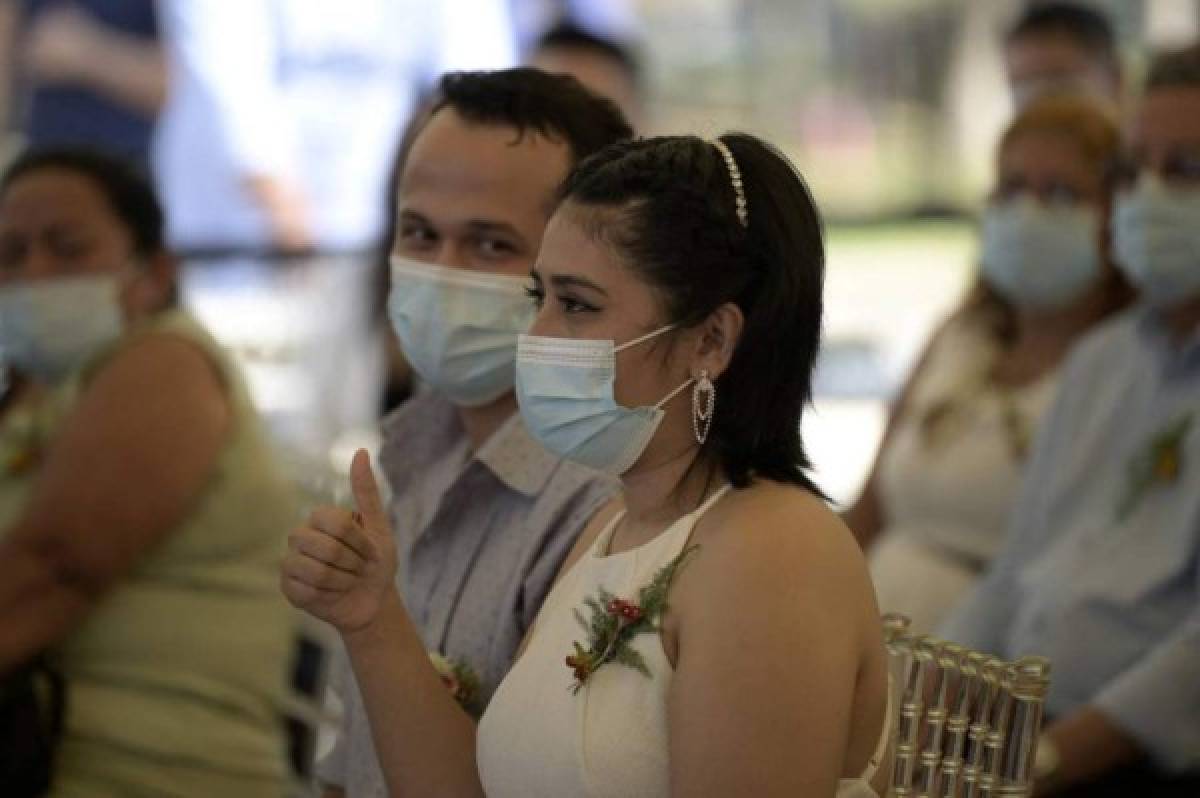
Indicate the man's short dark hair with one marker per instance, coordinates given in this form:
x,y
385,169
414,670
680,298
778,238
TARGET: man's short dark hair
x,y
523,99
1175,69
530,100
568,36
1086,26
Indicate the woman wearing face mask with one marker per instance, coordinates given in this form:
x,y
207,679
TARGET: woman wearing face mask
x,y
935,508
139,508
714,630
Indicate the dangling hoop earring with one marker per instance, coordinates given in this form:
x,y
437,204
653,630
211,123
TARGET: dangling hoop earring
x,y
704,401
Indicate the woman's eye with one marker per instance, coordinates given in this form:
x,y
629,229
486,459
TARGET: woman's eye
x,y
70,249
1182,171
571,305
1062,195
1008,189
11,256
536,296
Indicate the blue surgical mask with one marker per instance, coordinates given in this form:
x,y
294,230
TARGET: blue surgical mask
x,y
459,328
50,328
565,390
1039,257
1156,235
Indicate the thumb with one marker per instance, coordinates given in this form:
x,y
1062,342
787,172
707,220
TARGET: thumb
x,y
366,492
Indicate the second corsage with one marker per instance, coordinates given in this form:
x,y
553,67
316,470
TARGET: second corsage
x,y
461,680
1159,464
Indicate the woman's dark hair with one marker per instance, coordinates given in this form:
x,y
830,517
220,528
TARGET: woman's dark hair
x,y
1175,69
667,207
129,194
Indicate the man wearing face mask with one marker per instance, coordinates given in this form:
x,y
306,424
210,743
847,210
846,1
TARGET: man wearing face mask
x,y
1102,571
484,515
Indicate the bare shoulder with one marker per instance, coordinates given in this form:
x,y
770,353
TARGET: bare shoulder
x,y
159,394
771,537
163,358
768,520
166,369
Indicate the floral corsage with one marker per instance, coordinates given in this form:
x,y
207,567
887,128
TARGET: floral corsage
x,y
1160,463
615,622
460,680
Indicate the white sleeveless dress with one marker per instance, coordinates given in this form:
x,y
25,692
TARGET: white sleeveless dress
x,y
540,739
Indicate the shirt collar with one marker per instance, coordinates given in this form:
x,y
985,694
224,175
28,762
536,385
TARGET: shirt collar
x,y
428,424
516,459
1180,357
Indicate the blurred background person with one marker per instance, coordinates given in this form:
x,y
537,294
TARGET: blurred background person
x,y
608,66
936,507
483,515
1062,47
83,72
141,516
272,156
611,20
1101,571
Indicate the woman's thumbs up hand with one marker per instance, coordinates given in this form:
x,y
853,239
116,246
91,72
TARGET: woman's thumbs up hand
x,y
341,566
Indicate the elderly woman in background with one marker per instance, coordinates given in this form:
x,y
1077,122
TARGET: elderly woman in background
x,y
935,509
139,507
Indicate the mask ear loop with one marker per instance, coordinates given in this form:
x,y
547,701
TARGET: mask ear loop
x,y
644,338
640,444
674,393
659,405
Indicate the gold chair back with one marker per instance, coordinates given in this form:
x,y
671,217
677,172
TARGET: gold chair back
x,y
966,724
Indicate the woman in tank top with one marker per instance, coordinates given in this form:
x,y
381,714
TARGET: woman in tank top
x,y
141,515
714,632
935,509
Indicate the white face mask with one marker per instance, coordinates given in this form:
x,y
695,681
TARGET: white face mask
x,y
1156,235
565,390
50,328
1038,257
459,328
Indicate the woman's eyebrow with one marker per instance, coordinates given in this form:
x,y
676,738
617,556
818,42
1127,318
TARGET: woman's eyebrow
x,y
570,281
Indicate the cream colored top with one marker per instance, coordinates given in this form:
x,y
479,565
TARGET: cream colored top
x,y
950,483
538,739
177,678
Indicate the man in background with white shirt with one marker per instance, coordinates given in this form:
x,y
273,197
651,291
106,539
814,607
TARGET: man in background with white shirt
x,y
272,155
1102,570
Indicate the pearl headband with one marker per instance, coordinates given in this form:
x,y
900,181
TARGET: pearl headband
x,y
735,176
